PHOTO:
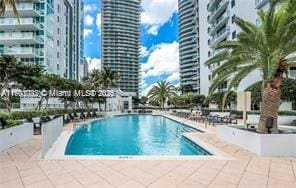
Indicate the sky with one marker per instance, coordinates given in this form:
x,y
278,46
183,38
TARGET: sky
x,y
159,40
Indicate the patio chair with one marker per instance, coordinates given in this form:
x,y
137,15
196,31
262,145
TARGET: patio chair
x,y
231,119
214,120
3,123
36,126
72,117
89,115
82,116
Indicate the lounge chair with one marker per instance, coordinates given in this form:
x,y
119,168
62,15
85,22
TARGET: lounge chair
x,y
82,116
89,115
231,119
215,119
72,117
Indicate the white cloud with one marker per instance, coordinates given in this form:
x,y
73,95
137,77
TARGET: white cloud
x,y
157,12
174,77
90,8
87,32
88,20
144,51
147,89
99,22
93,63
164,59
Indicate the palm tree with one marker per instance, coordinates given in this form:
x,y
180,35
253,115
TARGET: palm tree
x,y
162,92
109,77
9,3
269,48
102,80
95,79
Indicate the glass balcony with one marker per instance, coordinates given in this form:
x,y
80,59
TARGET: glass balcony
x,y
212,4
24,24
220,36
20,38
218,10
26,10
219,22
23,52
260,3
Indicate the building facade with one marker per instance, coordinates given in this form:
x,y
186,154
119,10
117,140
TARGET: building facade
x,y
189,51
121,41
217,26
45,34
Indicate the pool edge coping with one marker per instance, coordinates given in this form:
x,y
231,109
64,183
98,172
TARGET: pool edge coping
x,y
57,152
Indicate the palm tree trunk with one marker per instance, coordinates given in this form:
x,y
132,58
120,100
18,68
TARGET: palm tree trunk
x,y
271,100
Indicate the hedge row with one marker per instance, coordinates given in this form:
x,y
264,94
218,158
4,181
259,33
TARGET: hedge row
x,y
19,115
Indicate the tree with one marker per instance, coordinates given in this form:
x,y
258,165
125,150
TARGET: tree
x,y
102,80
9,3
15,73
217,98
161,92
288,90
268,48
188,99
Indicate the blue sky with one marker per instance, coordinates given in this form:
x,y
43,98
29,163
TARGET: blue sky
x,y
159,40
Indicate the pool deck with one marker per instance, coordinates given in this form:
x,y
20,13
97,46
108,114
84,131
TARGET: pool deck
x,y
20,166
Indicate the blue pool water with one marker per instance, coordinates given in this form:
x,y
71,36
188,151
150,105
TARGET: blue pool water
x,y
133,135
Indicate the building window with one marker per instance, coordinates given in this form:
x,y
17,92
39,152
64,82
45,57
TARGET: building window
x,y
208,18
58,67
258,22
209,53
58,31
209,42
233,18
233,34
209,29
58,54
58,18
232,3
58,42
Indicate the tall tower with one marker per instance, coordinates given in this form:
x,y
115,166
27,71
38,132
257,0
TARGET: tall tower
x,y
217,25
189,46
44,34
121,41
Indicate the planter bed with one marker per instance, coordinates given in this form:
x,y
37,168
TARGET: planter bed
x,y
276,145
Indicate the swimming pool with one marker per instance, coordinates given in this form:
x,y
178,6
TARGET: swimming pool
x,y
133,135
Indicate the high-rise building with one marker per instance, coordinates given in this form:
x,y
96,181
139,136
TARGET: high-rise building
x,y
121,41
217,25
189,50
46,34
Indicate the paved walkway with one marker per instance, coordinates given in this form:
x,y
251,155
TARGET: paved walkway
x,y
20,167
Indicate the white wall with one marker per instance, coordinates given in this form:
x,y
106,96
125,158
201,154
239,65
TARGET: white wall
x,y
50,131
277,145
15,135
282,120
204,48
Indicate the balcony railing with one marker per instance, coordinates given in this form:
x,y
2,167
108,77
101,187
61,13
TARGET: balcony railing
x,y
20,36
219,22
27,7
260,3
218,37
218,9
23,52
12,22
